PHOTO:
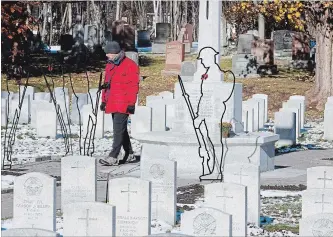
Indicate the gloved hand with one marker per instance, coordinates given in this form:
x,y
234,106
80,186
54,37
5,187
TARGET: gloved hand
x,y
104,86
102,107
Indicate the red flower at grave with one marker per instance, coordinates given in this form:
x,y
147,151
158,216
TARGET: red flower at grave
x,y
50,68
204,76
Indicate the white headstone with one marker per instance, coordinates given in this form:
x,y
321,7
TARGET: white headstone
x,y
28,91
232,199
4,112
132,198
300,99
163,175
158,115
248,116
35,201
296,107
330,99
296,111
38,105
92,123
150,98
78,101
23,113
92,96
89,219
166,94
316,201
248,175
108,122
328,125
63,107
261,111
255,105
78,179
265,97
285,126
317,225
141,120
320,177
23,232
206,221
46,127
42,96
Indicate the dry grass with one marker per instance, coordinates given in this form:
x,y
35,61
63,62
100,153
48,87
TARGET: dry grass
x,y
278,88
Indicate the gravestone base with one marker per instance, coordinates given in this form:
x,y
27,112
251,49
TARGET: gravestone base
x,y
258,148
283,53
158,48
244,66
168,73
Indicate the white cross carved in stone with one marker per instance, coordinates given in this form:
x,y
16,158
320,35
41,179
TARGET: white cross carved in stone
x,y
128,196
224,199
323,203
156,205
87,219
324,179
240,174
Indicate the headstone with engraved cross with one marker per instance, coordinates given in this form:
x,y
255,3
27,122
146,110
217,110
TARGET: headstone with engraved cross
x,y
232,199
78,179
89,219
249,175
132,197
316,201
320,177
163,176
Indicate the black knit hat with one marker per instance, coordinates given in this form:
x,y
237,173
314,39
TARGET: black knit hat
x,y
112,48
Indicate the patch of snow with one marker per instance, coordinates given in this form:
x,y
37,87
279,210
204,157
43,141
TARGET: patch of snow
x,y
7,181
278,193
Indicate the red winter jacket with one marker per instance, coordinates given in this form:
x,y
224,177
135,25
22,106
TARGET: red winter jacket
x,y
124,87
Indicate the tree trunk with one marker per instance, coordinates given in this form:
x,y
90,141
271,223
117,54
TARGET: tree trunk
x,y
69,16
323,88
118,10
44,20
185,9
51,25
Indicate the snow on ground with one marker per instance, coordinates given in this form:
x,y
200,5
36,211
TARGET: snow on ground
x,y
7,181
283,206
27,145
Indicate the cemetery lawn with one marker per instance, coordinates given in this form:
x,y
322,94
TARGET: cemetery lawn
x,y
278,87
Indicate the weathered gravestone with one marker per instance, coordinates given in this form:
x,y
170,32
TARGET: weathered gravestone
x,y
187,70
317,225
206,221
124,34
163,33
78,180
320,177
232,199
163,176
35,201
315,201
78,101
144,39
282,43
132,197
245,43
248,175
244,65
300,50
174,57
90,219
263,51
22,232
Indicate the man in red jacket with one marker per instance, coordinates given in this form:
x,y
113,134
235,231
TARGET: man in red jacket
x,y
119,94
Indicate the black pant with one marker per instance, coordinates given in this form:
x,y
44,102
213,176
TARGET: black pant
x,y
120,135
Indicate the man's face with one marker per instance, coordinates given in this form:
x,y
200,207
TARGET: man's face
x,y
111,56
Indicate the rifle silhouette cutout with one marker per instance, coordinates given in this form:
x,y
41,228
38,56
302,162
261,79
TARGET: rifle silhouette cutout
x,y
209,157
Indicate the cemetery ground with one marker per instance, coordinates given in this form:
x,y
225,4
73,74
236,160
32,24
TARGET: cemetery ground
x,y
281,208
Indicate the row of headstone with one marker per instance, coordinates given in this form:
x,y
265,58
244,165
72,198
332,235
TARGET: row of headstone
x,y
328,118
254,114
158,114
132,202
317,204
289,120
